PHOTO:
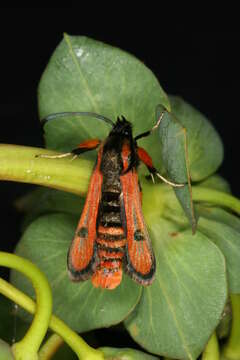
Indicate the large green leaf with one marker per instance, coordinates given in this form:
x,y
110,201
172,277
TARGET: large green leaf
x,y
228,241
204,146
191,149
45,201
174,144
219,215
180,310
87,75
80,305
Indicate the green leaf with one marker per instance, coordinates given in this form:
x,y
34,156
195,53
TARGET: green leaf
x,y
191,149
125,354
180,310
87,75
227,239
45,201
175,158
219,215
205,149
80,305
216,182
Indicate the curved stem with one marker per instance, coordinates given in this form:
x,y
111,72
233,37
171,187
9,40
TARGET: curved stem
x,y
50,347
211,351
79,346
232,348
216,197
28,347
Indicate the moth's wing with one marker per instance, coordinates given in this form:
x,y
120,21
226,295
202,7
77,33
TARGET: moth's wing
x,y
82,255
140,261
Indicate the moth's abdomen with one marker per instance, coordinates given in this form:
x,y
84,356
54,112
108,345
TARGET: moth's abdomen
x,y
111,244
111,237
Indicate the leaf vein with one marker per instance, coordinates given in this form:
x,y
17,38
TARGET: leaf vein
x,y
85,83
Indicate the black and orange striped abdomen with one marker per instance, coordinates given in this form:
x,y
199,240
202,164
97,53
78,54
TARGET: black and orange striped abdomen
x,y
111,236
111,244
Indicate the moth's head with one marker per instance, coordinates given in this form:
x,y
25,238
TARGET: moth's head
x,y
122,127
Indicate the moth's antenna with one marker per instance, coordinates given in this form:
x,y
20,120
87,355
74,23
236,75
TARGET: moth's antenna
x,y
76,113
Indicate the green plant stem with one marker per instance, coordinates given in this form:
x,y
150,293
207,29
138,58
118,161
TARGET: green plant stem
x,y
19,163
73,176
79,346
211,351
28,347
232,349
216,197
50,347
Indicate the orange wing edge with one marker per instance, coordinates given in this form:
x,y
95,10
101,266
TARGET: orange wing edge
x,y
82,259
139,262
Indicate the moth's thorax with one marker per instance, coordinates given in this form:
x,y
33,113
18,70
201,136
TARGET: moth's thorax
x,y
112,154
111,168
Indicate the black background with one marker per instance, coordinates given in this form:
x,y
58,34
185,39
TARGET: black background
x,y
199,66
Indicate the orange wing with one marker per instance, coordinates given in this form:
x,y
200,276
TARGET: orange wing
x,y
82,255
140,261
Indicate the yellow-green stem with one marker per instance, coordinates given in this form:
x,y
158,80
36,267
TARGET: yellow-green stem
x,y
211,351
232,348
73,176
19,163
50,347
79,346
28,347
216,197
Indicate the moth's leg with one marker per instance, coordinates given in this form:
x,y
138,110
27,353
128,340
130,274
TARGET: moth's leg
x,y
147,133
147,160
85,146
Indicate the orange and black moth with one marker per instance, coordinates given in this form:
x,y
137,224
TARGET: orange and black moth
x,y
111,235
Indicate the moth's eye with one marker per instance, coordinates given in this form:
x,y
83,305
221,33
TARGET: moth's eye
x,y
126,132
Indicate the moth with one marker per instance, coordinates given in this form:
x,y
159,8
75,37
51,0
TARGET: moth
x,y
111,235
